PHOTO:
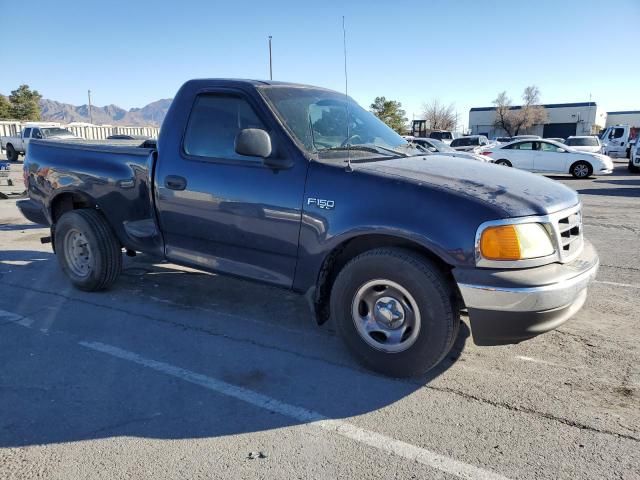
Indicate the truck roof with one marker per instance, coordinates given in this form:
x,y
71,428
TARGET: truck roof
x,y
247,81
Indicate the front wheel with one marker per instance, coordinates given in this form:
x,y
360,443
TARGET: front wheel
x,y
396,311
581,169
88,250
632,168
504,163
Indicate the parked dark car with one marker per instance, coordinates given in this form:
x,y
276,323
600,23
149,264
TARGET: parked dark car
x,y
262,181
147,142
128,137
468,143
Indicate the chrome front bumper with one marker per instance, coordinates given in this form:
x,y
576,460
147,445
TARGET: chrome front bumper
x,y
508,306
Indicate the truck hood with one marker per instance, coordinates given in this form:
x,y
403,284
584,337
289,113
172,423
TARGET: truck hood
x,y
515,193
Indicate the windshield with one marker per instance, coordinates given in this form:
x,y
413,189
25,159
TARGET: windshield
x,y
582,142
441,135
55,132
441,146
317,118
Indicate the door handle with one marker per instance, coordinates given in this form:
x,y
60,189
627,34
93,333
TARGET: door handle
x,y
175,182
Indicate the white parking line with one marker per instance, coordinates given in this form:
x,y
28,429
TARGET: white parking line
x,y
367,437
616,284
345,429
535,360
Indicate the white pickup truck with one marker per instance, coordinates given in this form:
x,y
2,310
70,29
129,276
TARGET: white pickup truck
x,y
17,145
618,140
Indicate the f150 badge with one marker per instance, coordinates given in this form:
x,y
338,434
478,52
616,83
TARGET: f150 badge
x,y
321,203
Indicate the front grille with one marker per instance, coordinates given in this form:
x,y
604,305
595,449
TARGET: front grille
x,y
568,233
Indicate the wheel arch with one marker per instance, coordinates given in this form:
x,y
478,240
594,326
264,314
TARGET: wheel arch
x,y
507,162
72,200
350,248
581,160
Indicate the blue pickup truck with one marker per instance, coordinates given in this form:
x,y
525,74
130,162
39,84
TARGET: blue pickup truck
x,y
299,187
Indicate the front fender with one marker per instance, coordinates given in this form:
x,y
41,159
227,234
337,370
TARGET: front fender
x,y
439,221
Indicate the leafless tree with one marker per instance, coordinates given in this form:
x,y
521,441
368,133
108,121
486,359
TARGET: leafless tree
x,y
439,116
513,120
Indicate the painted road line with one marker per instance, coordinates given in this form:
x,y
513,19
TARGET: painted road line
x,y
367,437
616,284
342,428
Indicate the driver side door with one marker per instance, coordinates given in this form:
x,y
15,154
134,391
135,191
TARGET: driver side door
x,y
550,158
519,154
225,212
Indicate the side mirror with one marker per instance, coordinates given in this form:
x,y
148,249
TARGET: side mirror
x,y
561,150
432,149
253,142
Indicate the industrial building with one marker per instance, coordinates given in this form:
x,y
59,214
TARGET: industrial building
x,y
627,117
563,120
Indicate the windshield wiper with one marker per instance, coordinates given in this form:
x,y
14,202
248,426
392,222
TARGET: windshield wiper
x,y
369,147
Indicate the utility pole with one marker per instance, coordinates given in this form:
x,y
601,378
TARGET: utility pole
x,y
90,112
270,61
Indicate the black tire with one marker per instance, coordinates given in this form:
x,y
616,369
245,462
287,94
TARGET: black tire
x,y
578,171
433,295
105,263
632,168
12,155
503,162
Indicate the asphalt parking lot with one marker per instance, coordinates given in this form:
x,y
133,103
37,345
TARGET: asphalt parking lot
x,y
176,373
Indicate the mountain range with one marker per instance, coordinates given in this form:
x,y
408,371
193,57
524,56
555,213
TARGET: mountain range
x,y
152,114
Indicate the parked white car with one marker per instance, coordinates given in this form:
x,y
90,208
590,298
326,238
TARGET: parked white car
x,y
432,145
584,144
17,144
546,156
445,136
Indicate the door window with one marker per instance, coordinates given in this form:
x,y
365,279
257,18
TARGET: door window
x,y
522,146
36,133
617,133
215,122
549,147
26,133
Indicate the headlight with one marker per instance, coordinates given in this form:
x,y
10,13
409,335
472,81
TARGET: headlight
x,y
515,242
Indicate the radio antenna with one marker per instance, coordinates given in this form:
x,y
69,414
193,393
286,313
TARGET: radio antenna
x,y
346,95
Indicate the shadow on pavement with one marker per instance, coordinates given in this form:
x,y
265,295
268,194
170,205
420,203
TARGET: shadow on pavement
x,y
625,182
54,390
614,192
10,227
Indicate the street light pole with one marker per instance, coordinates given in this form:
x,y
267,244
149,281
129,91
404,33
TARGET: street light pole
x,y
270,61
90,113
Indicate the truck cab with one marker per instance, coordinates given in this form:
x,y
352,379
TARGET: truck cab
x,y
618,139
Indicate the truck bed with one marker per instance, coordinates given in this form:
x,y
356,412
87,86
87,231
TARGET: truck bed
x,y
114,175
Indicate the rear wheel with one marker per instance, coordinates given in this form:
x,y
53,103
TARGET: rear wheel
x,y
88,250
503,162
396,311
581,169
12,155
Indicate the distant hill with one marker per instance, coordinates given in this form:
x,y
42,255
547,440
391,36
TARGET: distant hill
x,y
152,114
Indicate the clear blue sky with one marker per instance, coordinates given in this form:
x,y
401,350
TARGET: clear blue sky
x,y
130,53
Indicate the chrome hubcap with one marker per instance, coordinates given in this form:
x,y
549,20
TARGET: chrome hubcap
x,y
386,316
78,253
